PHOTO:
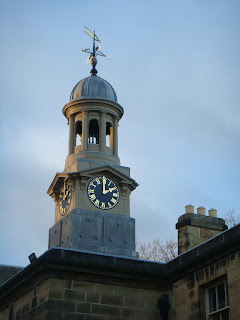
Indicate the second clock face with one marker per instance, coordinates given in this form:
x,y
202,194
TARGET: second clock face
x,y
65,199
103,193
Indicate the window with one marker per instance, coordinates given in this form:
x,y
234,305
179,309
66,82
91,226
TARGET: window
x,y
217,302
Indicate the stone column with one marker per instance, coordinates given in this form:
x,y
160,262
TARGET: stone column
x,y
71,142
103,132
85,131
115,136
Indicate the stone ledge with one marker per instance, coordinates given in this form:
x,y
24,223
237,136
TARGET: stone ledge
x,y
197,220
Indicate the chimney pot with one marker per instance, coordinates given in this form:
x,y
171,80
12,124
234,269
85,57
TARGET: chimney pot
x,y
189,208
212,213
201,210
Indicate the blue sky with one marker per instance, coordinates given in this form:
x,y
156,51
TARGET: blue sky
x,y
175,68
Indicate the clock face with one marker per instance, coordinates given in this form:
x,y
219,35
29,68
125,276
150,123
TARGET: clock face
x,y
103,193
65,199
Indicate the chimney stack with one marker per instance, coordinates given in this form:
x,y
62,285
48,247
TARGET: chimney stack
x,y
194,229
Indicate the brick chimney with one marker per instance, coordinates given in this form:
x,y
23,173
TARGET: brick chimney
x,y
193,229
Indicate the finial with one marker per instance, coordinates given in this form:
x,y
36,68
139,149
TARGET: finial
x,y
95,52
93,62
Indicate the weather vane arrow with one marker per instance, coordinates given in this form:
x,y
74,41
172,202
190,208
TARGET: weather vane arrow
x,y
95,51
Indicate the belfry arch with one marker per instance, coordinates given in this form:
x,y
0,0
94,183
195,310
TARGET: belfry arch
x,y
78,126
93,137
109,134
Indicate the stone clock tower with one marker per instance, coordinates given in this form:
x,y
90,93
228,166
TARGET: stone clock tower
x,y
91,195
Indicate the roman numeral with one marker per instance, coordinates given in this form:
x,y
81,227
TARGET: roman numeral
x,y
92,197
97,202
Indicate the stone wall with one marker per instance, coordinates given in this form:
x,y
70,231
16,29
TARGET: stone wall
x,y
191,236
64,299
189,292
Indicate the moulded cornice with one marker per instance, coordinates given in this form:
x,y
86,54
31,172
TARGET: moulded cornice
x,y
125,181
93,105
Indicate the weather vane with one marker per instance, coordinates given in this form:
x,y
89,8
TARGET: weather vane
x,y
95,51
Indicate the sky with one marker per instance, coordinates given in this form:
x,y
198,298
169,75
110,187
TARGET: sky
x,y
175,68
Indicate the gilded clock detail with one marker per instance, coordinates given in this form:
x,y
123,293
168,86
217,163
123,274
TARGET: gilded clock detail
x,y
103,193
65,199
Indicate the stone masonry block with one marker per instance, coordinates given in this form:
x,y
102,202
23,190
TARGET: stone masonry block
x,y
56,293
111,300
181,310
149,294
147,315
58,283
210,233
150,305
123,291
94,317
197,241
193,231
185,317
117,318
180,299
61,305
73,316
50,315
83,307
43,291
182,289
93,297
131,302
43,307
84,286
203,232
74,295
233,288
129,313
104,310
216,232
235,312
234,300
104,288
233,275
31,314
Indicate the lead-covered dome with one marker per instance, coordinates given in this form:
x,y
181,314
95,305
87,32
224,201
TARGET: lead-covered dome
x,y
93,87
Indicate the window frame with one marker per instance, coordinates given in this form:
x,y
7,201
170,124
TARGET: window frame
x,y
214,285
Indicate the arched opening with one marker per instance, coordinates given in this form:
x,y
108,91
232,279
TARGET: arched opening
x,y
93,132
108,134
78,133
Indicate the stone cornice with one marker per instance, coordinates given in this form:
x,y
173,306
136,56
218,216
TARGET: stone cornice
x,y
93,105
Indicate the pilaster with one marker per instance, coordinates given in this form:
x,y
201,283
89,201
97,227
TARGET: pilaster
x,y
85,130
71,143
103,132
115,136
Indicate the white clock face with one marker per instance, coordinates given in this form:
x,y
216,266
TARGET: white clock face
x,y
65,199
103,193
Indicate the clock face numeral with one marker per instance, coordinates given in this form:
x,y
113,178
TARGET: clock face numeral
x,y
113,200
65,198
103,193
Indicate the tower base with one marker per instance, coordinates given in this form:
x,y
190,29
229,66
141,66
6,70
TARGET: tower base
x,y
90,231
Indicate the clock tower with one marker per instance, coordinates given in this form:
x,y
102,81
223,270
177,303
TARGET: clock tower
x,y
91,195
